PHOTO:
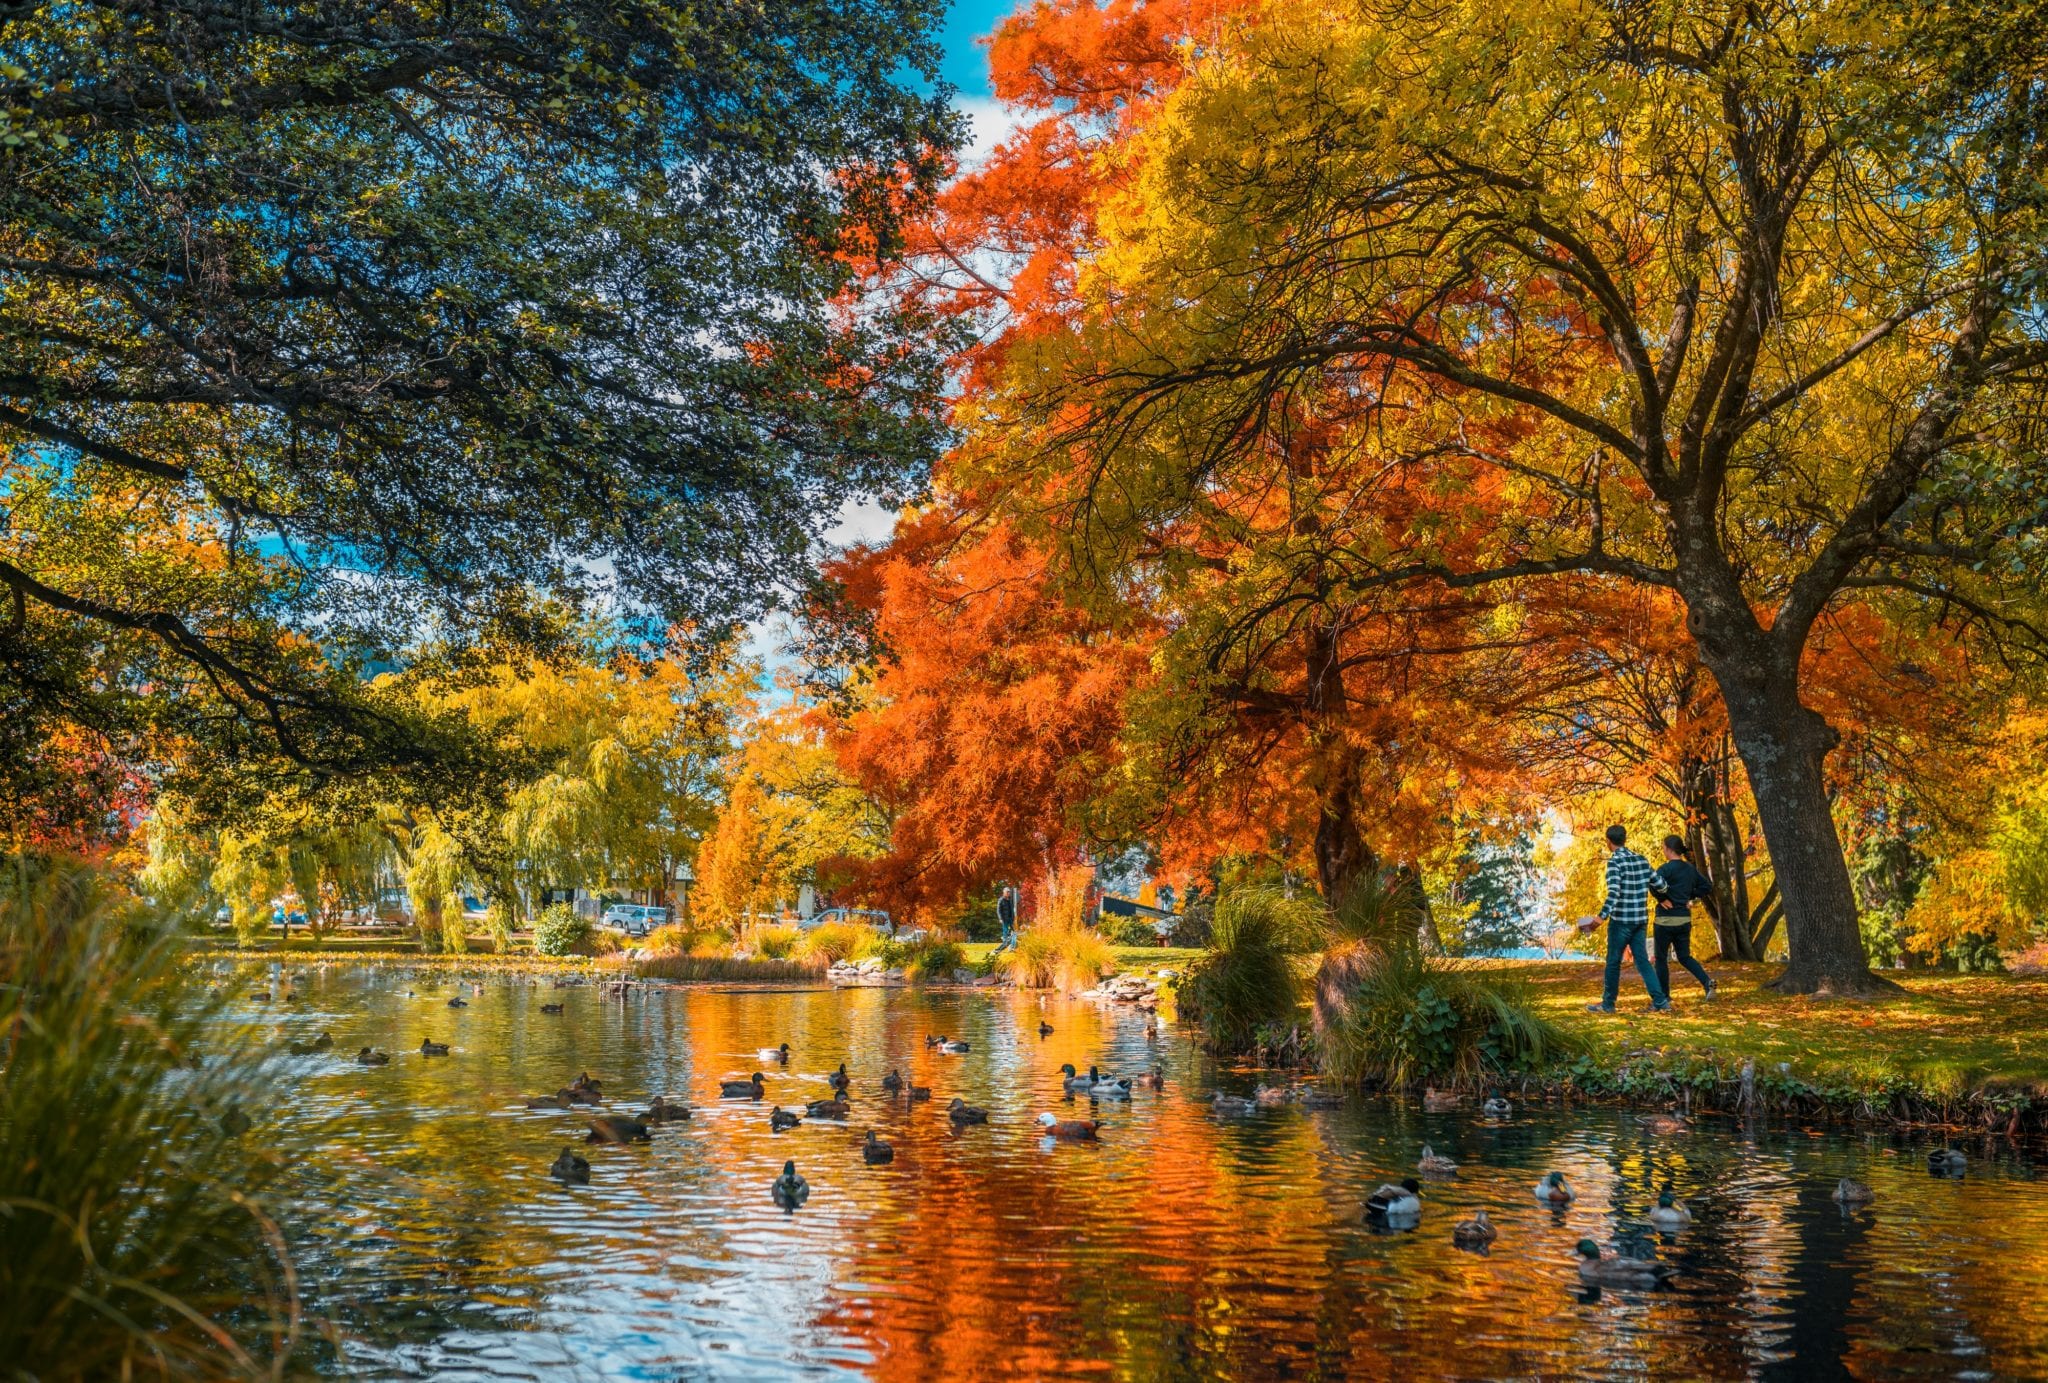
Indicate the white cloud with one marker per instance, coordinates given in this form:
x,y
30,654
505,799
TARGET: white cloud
x,y
861,521
990,122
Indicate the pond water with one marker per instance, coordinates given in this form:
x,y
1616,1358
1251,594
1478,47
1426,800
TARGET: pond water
x,y
1181,1245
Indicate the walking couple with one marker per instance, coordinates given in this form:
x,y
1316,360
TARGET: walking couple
x,y
1630,881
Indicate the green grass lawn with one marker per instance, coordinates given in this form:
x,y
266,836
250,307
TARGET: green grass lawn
x,y
1129,957
1946,1033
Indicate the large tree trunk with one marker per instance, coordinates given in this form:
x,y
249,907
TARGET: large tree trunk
x,y
1784,745
1342,856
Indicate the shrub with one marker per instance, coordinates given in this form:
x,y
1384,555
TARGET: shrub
x,y
669,937
837,941
727,969
1194,926
978,922
934,960
138,1145
772,940
1247,980
558,931
1069,961
1129,931
1405,1017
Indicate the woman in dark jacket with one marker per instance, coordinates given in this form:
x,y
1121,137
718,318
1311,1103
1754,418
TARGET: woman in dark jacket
x,y
1682,884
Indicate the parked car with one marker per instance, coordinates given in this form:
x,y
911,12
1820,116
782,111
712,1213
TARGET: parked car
x,y
860,917
634,919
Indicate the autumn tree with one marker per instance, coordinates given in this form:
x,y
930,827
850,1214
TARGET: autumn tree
x,y
1739,304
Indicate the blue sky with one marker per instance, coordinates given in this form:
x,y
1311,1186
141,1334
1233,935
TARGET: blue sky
x,y
966,66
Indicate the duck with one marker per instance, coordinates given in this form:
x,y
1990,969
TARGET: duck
x,y
1044,1030
550,1008
1074,1130
893,1081
429,1047
571,1167
1475,1233
1554,1190
1947,1162
955,1048
291,996
915,1093
1669,1214
1497,1107
548,1102
931,1040
1435,1164
617,1128
1436,1101
837,1080
1233,1104
261,996
750,1089
458,1002
1666,1123
875,1152
790,1190
1108,1089
961,1112
1269,1096
1393,1204
318,1044
779,1054
1077,1082
579,1094
826,1109
369,1056
1154,1079
1849,1191
780,1119
1616,1270
666,1111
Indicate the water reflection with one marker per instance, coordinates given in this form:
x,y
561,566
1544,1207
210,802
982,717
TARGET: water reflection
x,y
1182,1244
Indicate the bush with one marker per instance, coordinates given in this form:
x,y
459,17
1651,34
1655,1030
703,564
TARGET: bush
x,y
978,922
836,941
1128,931
934,960
1405,1017
138,1144
558,931
772,940
1247,982
1065,960
669,937
728,969
1194,926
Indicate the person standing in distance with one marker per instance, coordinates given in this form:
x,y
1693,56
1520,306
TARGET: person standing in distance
x,y
1006,913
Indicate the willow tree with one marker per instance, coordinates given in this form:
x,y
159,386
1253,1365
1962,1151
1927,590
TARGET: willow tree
x,y
1737,301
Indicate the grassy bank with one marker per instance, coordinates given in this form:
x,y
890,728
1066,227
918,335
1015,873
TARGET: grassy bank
x,y
1128,957
468,961
1954,1048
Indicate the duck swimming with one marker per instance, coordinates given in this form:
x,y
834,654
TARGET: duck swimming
x,y
548,1102
838,1080
1155,1079
875,1152
1475,1233
1074,1130
666,1111
1436,1101
915,1093
431,1048
550,1008
1435,1164
571,1167
1849,1191
617,1128
790,1190
1395,1204
1108,1089
955,1048
1497,1108
1077,1082
753,1088
1668,1214
458,1002
961,1112
371,1057
1615,1270
780,1054
1553,1190
1666,1123
892,1082
780,1119
318,1044
826,1109
1269,1096
1947,1162
1233,1104
1044,1029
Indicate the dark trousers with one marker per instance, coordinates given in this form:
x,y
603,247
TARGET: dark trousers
x,y
1677,940
1629,939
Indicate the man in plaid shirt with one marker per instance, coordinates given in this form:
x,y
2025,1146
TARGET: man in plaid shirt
x,y
1630,880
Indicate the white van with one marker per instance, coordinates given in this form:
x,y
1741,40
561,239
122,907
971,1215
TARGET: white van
x,y
634,919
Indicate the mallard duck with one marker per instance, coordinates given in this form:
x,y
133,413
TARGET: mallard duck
x,y
371,1057
1669,1214
322,1042
1436,1101
1553,1190
826,1109
1947,1162
1435,1164
1393,1204
1616,1270
617,1128
790,1190
1044,1029
893,1081
1497,1108
1108,1089
875,1151
579,1094
1233,1104
961,1112
1666,1123
548,1102
1475,1233
780,1119
1154,1079
318,1044
458,1002
780,1054
1849,1191
571,1167
752,1088
550,1008
1075,1130
1076,1082
666,1111
953,1047
1269,1096
838,1080
432,1048
917,1092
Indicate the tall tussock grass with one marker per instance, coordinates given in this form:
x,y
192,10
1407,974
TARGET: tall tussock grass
x,y
139,1151
1065,960
1248,979
682,967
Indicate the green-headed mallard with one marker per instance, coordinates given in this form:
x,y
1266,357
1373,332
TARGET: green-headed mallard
x,y
1435,1164
429,1047
1669,1214
1106,1088
1553,1190
780,1119
790,1190
1617,1270
571,1167
752,1088
961,1112
617,1128
1395,1204
1849,1191
876,1151
1076,1082
1497,1107
1074,1130
1475,1233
